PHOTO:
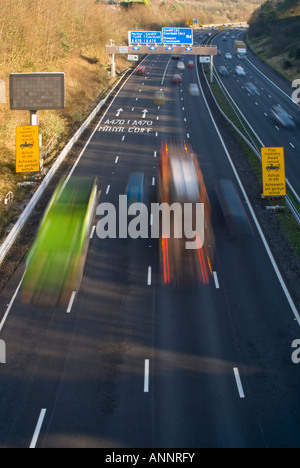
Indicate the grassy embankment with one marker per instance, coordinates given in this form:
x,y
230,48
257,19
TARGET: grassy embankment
x,y
274,35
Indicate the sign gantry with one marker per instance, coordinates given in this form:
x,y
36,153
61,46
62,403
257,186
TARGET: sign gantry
x,y
177,41
205,51
180,36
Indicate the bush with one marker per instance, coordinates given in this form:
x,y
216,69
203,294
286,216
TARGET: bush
x,y
287,64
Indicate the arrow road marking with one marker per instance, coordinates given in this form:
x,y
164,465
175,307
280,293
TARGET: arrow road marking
x,y
119,112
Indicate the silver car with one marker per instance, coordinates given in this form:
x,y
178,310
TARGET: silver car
x,y
194,90
282,117
223,71
240,71
252,89
180,65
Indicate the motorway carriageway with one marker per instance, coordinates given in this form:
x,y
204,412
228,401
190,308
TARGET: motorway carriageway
x,y
274,91
130,362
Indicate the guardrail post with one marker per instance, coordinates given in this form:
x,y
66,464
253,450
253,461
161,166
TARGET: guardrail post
x,y
113,66
33,117
211,68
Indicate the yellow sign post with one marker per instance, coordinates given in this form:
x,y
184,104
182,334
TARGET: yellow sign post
x,y
273,168
27,149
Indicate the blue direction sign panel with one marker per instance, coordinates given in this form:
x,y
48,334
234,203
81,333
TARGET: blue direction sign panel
x,y
144,37
182,36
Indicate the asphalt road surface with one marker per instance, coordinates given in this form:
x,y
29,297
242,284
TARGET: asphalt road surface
x,y
273,91
133,363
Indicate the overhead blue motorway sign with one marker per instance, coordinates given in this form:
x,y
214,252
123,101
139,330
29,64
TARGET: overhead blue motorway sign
x,y
182,36
144,37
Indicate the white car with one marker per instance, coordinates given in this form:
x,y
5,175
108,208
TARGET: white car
x,y
194,90
180,65
240,71
228,56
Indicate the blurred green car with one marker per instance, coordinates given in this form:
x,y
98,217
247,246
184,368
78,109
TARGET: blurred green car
x,y
159,98
56,260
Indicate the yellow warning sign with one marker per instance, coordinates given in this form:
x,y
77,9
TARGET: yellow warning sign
x,y
273,172
27,149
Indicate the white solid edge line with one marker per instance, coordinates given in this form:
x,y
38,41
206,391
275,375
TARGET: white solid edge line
x,y
146,376
92,232
38,428
71,302
10,304
274,264
239,382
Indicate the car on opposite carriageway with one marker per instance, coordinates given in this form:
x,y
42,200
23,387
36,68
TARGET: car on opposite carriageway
x,y
240,71
282,117
252,89
223,71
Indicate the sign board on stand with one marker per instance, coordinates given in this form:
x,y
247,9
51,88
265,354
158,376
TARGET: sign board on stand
x,y
27,149
133,58
204,59
37,91
273,168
